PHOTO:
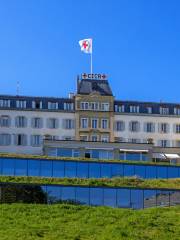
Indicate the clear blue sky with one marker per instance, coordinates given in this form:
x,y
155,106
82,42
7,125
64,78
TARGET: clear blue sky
x,y
135,42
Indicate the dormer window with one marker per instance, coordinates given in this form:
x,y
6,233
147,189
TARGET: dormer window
x,y
164,110
4,103
134,109
21,104
119,108
52,105
37,104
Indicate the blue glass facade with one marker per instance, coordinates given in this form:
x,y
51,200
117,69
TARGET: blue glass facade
x,y
83,169
95,196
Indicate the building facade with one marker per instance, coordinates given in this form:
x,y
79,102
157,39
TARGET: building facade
x,y
91,114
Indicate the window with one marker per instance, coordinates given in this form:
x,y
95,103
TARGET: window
x,y
177,128
104,123
134,126
37,104
134,109
94,138
94,106
177,111
105,106
164,111
68,123
119,108
20,140
68,106
94,123
21,121
4,103
163,128
120,139
149,127
105,138
149,110
5,121
164,143
134,140
52,123
37,122
5,139
21,104
84,123
119,126
67,138
53,105
36,140
84,138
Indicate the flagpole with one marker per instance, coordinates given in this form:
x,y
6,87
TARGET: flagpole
x,y
91,59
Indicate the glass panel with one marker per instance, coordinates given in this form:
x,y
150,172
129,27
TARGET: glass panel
x,y
149,198
64,152
82,195
163,198
68,194
140,171
1,162
161,172
137,200
95,154
121,156
123,198
133,156
117,170
70,169
105,170
53,194
33,167
174,198
173,172
128,170
58,168
145,157
8,166
46,168
21,167
96,196
82,169
110,197
150,171
94,170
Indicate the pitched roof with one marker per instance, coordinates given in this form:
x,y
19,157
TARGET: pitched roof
x,y
87,86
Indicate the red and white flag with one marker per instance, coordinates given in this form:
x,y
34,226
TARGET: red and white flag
x,y
86,45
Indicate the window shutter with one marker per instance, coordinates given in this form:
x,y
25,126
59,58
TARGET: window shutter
x,y
33,104
73,123
56,123
145,127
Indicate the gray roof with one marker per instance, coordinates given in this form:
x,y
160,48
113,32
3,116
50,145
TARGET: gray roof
x,y
87,86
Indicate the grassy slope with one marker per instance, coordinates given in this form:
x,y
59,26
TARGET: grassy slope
x,y
28,156
69,222
111,182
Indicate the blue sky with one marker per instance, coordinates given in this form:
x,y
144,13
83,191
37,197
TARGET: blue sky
x,y
137,43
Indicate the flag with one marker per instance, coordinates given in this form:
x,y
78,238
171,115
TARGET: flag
x,y
86,45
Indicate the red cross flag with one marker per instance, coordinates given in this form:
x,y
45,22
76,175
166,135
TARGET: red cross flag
x,y
86,45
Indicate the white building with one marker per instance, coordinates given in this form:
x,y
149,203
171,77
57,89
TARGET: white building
x,y
92,114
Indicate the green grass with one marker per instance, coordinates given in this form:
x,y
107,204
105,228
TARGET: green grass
x,y
70,222
28,156
111,182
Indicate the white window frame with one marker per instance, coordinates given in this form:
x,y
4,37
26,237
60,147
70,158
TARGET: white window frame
x,y
82,124
103,120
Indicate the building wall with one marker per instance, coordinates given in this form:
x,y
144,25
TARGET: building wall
x,y
60,132
142,134
98,114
